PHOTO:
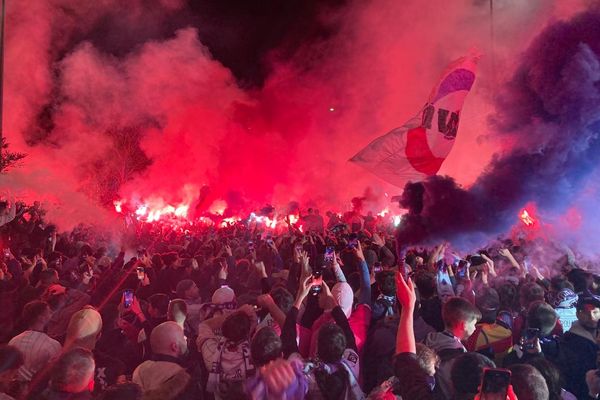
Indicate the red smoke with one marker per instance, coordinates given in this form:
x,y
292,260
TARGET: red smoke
x,y
165,119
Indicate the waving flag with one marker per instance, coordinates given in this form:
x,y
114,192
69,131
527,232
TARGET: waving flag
x,y
418,148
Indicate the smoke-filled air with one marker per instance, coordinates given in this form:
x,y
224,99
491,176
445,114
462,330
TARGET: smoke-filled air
x,y
138,104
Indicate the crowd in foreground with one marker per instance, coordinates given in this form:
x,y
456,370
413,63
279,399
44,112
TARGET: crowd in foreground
x,y
329,312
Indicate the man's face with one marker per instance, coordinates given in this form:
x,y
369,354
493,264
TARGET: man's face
x,y
469,329
193,293
589,316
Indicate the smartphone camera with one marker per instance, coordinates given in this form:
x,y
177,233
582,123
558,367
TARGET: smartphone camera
x,y
317,280
329,255
127,298
377,267
495,383
528,338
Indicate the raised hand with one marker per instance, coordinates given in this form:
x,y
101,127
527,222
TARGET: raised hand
x,y
405,292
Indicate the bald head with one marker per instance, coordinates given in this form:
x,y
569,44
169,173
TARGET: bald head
x,y
168,339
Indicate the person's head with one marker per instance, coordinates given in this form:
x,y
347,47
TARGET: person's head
x,y
122,391
170,259
588,311
158,304
223,295
460,317
551,375
487,301
528,383
426,284
542,316
581,280
187,290
265,346
386,281
508,294
168,339
74,371
84,329
36,315
283,298
529,293
559,282
11,359
236,327
48,277
428,359
331,343
177,311
467,371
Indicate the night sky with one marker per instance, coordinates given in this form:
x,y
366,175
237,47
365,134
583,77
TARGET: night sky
x,y
240,34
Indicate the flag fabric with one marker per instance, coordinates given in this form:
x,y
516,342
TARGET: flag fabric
x,y
418,148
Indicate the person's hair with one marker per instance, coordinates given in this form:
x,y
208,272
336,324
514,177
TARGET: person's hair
x,y
488,302
265,346
457,310
160,302
580,279
386,280
11,358
122,391
529,293
467,370
283,298
236,327
47,276
508,297
177,306
86,250
528,383
331,343
426,357
169,258
542,316
426,285
551,374
559,282
32,312
157,262
72,371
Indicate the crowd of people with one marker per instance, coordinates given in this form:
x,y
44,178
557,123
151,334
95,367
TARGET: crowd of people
x,y
337,310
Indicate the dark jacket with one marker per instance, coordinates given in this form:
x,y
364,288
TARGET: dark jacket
x,y
577,355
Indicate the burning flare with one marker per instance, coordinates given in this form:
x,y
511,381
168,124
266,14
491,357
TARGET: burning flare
x,y
526,218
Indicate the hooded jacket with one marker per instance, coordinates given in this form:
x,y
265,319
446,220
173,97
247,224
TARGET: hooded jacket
x,y
577,355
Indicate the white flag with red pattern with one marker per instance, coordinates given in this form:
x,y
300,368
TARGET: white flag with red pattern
x,y
418,148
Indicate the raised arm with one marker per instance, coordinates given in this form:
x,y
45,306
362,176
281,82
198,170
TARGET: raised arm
x,y
365,280
288,331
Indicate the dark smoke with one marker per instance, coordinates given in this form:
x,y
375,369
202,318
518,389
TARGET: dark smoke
x,y
550,110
